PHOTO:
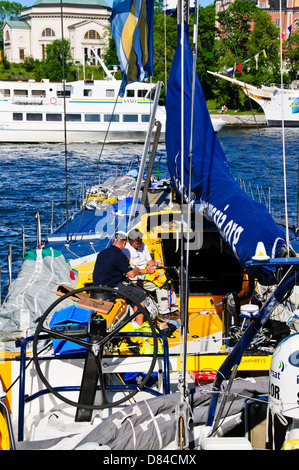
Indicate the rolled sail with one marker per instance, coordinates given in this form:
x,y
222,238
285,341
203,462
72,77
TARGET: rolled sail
x,y
242,222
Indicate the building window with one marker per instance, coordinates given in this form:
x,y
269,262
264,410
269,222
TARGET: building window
x,y
21,54
92,34
7,37
262,4
48,32
277,23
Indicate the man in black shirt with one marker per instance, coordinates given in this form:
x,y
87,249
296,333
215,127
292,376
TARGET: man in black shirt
x,y
112,266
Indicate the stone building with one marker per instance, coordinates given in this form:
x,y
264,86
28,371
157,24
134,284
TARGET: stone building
x,y
84,22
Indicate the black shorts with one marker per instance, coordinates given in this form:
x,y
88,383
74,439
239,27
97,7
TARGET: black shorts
x,y
133,291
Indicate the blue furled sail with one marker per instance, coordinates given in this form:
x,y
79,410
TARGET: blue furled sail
x,y
132,24
242,222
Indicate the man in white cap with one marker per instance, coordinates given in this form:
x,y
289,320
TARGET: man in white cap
x,y
112,266
139,256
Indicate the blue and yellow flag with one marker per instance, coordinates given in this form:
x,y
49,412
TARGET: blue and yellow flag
x,y
132,24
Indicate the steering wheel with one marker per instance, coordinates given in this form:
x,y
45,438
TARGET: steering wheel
x,y
96,348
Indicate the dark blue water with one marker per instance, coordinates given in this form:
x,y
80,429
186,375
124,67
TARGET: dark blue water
x,y
32,176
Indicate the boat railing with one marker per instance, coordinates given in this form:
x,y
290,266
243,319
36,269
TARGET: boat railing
x,y
29,100
292,86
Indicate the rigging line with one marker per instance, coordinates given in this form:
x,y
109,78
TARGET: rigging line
x,y
64,124
283,134
247,97
165,50
111,116
195,48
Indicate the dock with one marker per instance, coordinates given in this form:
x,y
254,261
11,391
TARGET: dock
x,y
242,119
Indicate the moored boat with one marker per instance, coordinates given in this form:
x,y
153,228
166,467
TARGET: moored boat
x,y
277,103
33,111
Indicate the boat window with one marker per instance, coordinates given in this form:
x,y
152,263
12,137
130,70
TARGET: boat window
x,y
21,92
73,117
17,116
92,117
142,93
60,93
110,93
145,117
130,118
34,116
130,93
5,92
112,118
38,92
87,92
53,117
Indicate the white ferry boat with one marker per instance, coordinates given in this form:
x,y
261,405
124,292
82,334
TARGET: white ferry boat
x,y
32,111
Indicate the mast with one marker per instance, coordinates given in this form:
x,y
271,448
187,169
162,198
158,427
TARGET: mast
x,y
183,411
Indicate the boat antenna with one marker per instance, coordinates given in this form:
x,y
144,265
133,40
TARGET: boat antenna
x,y
64,124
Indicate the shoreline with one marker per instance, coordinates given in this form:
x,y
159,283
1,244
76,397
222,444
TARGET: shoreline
x,y
241,119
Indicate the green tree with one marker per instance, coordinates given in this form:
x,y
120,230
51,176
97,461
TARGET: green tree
x,y
244,32
52,66
235,25
165,40
8,11
111,56
164,49
263,37
292,56
206,48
